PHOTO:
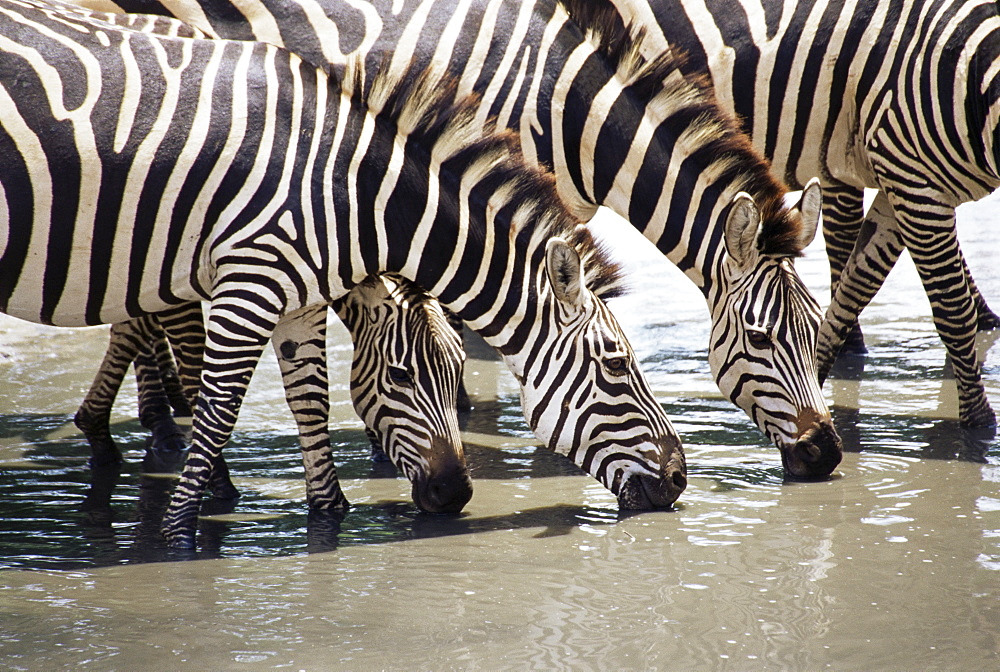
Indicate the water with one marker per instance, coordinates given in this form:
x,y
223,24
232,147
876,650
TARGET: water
x,y
893,564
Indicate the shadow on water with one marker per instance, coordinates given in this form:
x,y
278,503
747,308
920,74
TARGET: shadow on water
x,y
105,541
59,513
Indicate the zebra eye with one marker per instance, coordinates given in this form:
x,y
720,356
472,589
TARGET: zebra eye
x,y
758,339
399,375
616,366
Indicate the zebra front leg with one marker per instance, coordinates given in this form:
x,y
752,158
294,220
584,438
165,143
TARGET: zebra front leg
x,y
236,337
874,255
184,327
843,214
299,340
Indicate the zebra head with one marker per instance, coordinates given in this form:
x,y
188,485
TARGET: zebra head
x,y
404,377
763,342
583,394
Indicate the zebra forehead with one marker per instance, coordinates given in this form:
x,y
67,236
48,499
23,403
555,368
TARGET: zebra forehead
x,y
776,286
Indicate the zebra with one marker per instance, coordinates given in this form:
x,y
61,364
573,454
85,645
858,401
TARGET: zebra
x,y
234,172
617,130
899,97
405,375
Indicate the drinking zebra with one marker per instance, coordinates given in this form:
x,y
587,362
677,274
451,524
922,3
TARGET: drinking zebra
x,y
232,172
899,97
406,370
616,130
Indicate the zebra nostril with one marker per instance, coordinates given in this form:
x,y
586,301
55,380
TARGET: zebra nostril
x,y
680,480
808,452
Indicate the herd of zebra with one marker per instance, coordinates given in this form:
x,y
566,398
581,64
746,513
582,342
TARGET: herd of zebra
x,y
426,163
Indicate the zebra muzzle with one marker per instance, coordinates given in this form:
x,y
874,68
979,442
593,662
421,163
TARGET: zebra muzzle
x,y
815,454
643,491
446,490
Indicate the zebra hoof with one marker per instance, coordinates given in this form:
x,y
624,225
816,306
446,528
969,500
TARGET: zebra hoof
x,y
854,343
161,461
333,503
104,454
225,490
169,440
988,321
182,540
979,418
178,533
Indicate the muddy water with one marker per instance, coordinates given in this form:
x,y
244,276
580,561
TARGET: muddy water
x,y
893,564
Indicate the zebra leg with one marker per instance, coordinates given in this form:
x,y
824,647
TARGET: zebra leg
x,y
169,378
986,319
299,340
155,411
233,346
843,213
878,246
184,327
93,416
933,246
936,254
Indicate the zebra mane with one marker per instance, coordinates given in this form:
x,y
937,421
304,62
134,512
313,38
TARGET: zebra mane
x,y
423,106
690,100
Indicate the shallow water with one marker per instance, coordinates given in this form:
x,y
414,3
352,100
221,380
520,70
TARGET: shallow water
x,y
893,563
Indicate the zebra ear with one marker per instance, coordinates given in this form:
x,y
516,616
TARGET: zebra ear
x,y
742,229
565,271
810,207
367,297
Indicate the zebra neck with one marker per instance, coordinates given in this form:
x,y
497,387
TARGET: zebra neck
x,y
654,146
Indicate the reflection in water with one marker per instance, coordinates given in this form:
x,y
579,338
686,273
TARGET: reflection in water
x,y
893,563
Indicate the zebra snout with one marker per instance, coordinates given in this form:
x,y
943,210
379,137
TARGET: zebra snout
x,y
643,491
815,454
445,490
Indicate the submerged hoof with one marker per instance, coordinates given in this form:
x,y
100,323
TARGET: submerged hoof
x,y
988,321
980,417
854,343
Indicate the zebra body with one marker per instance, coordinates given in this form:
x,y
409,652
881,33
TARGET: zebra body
x,y
899,97
618,131
273,188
